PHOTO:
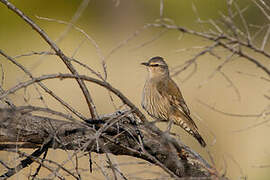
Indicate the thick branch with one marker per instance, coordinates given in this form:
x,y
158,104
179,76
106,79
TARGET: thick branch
x,y
122,139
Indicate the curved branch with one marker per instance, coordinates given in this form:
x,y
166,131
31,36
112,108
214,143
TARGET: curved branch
x,y
82,77
58,52
47,90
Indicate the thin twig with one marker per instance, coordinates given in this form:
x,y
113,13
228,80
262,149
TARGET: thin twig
x,y
43,86
58,52
83,77
161,9
266,36
75,17
34,53
240,12
262,9
124,42
222,44
7,100
232,114
88,37
218,68
28,109
192,60
26,162
232,85
254,76
157,36
252,126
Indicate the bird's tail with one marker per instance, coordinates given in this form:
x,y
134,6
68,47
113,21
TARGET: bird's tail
x,y
199,139
192,130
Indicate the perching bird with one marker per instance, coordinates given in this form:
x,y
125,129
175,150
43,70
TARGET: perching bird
x,y
163,100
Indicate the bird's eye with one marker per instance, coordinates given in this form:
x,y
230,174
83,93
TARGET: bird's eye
x,y
154,65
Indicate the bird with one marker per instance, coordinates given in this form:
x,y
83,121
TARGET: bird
x,y
163,100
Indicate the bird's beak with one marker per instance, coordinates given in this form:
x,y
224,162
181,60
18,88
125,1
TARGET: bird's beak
x,y
145,63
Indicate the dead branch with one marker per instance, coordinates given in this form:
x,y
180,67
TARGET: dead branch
x,y
229,36
20,126
125,132
58,52
46,89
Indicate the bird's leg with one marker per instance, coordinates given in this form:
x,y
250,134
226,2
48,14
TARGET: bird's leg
x,y
170,122
157,120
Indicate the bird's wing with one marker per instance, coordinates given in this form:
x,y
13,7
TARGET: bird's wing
x,y
170,90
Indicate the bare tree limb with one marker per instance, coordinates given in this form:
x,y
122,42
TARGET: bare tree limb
x,y
218,39
43,86
63,76
58,52
18,126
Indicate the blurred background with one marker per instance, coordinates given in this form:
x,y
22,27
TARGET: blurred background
x,y
239,145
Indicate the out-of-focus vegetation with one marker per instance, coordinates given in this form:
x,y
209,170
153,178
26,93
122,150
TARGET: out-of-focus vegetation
x,y
108,25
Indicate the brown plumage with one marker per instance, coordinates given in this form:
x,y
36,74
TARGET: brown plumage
x,y
163,100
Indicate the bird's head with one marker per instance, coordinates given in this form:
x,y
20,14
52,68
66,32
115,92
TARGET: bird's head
x,y
157,67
